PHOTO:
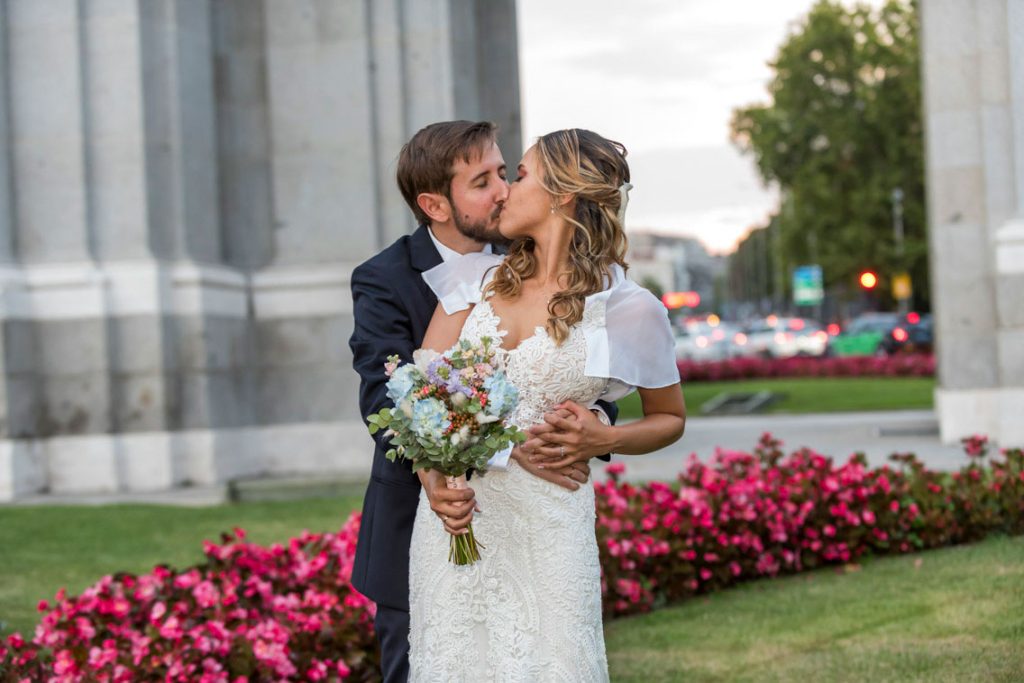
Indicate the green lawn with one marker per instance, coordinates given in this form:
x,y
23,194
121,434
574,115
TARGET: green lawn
x,y
811,394
45,548
955,614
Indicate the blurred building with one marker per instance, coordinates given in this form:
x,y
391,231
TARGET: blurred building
x,y
185,188
973,54
674,263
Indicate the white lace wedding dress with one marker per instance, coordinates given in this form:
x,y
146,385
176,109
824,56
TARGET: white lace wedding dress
x,y
530,610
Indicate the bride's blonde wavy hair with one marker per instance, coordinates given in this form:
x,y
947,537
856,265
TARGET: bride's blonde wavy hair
x,y
591,168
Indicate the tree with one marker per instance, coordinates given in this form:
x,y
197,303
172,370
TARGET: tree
x,y
652,285
842,132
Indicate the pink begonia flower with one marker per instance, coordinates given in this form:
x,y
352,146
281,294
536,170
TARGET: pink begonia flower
x,y
614,469
64,663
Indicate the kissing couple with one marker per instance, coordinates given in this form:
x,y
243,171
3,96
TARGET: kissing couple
x,y
539,265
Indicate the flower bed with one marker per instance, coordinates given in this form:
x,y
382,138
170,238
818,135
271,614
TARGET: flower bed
x,y
248,613
744,516
901,365
290,613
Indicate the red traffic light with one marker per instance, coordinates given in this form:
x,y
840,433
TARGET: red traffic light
x,y
868,280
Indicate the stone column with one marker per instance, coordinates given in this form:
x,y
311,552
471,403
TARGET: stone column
x,y
6,178
485,62
974,102
337,91
44,45
965,320
1009,239
320,118
389,120
243,134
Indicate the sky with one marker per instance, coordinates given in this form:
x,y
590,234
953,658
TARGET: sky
x,y
662,77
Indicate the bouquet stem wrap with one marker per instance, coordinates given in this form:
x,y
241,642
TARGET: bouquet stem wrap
x,y
464,549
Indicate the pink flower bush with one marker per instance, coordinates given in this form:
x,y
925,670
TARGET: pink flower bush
x,y
901,365
749,515
249,613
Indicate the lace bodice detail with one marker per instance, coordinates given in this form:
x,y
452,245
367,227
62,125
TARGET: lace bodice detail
x,y
545,373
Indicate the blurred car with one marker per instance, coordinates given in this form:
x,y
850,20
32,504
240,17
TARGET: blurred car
x,y
704,340
864,335
811,339
914,334
781,337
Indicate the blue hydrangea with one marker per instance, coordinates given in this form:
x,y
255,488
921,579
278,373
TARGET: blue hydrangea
x,y
502,395
430,418
402,381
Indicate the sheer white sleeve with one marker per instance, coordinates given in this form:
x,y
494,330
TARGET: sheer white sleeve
x,y
458,283
634,346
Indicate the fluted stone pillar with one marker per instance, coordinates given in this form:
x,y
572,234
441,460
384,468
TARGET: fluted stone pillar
x,y
185,188
974,102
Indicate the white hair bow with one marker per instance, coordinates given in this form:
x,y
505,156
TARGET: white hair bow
x,y
624,189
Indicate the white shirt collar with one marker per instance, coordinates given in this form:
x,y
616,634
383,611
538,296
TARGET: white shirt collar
x,y
447,253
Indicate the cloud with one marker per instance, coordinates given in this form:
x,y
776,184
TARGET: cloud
x,y
662,77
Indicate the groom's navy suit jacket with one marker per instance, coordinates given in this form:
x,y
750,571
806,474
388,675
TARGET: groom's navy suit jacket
x,y
392,307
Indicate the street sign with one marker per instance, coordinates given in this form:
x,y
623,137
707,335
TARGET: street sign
x,y
808,288
901,287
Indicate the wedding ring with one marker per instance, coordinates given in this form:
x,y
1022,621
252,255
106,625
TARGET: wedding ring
x,y
561,450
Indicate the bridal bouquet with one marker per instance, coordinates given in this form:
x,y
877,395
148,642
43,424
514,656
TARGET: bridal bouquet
x,y
449,416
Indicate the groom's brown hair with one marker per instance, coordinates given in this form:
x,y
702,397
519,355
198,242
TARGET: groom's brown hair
x,y
426,162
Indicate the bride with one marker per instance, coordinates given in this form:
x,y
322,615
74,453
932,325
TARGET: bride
x,y
572,329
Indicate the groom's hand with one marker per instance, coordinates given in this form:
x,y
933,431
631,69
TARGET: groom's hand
x,y
569,434
454,507
568,477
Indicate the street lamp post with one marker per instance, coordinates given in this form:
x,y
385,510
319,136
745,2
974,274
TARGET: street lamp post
x,y
897,236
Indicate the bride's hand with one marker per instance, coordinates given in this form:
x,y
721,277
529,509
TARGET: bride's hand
x,y
454,507
569,434
568,477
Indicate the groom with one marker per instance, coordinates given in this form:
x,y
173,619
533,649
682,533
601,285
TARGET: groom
x,y
452,176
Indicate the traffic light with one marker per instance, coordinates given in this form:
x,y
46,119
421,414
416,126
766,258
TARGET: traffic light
x,y
868,280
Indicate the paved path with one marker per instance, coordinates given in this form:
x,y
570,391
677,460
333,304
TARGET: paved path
x,y
834,434
839,435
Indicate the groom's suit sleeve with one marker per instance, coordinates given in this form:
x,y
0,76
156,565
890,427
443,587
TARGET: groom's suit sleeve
x,y
612,411
382,328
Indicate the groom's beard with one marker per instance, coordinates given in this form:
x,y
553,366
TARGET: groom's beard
x,y
480,230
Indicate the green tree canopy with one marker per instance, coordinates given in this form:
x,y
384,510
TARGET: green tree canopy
x,y
842,132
